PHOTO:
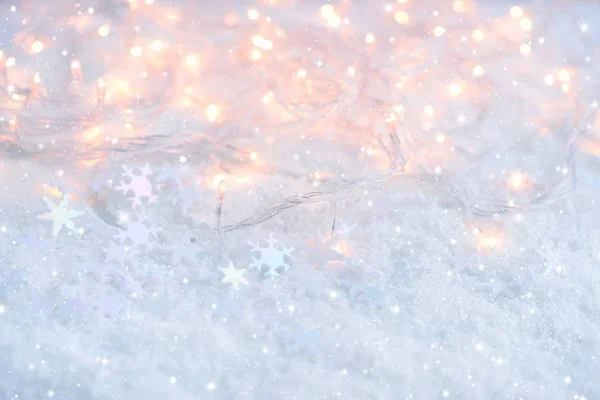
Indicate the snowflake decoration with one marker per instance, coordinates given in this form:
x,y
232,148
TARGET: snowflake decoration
x,y
138,232
270,257
184,251
60,215
234,276
138,184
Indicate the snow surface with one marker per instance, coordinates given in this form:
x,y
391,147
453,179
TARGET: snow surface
x,y
131,294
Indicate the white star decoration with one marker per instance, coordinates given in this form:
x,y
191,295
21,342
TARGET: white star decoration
x,y
60,215
234,276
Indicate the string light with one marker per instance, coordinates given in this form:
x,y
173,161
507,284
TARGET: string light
x,y
303,78
212,112
525,49
478,35
478,70
37,46
564,75
156,46
438,31
516,12
136,51
454,90
401,17
526,24
103,30
460,6
191,61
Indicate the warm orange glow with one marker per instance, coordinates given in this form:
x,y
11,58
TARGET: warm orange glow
x,y
460,6
37,46
191,60
454,90
75,65
13,125
564,75
478,35
36,79
255,54
525,49
439,31
253,14
327,11
370,38
136,51
516,12
52,191
103,30
526,24
212,112
156,46
401,17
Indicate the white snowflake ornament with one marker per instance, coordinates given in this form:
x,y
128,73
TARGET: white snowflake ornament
x,y
271,257
139,232
234,276
138,184
60,215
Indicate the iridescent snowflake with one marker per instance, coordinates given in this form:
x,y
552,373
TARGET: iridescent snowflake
x,y
271,258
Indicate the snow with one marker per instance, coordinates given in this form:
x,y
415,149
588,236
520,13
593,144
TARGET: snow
x,y
130,293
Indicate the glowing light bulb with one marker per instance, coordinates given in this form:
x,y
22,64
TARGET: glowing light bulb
x,y
526,24
212,112
428,110
478,70
440,138
253,156
401,17
101,91
301,73
516,12
37,46
334,21
36,79
564,75
439,31
136,51
103,30
517,180
156,46
454,89
253,14
460,6
525,49
75,65
351,71
13,125
327,11
549,79
370,38
191,61
478,35
255,54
